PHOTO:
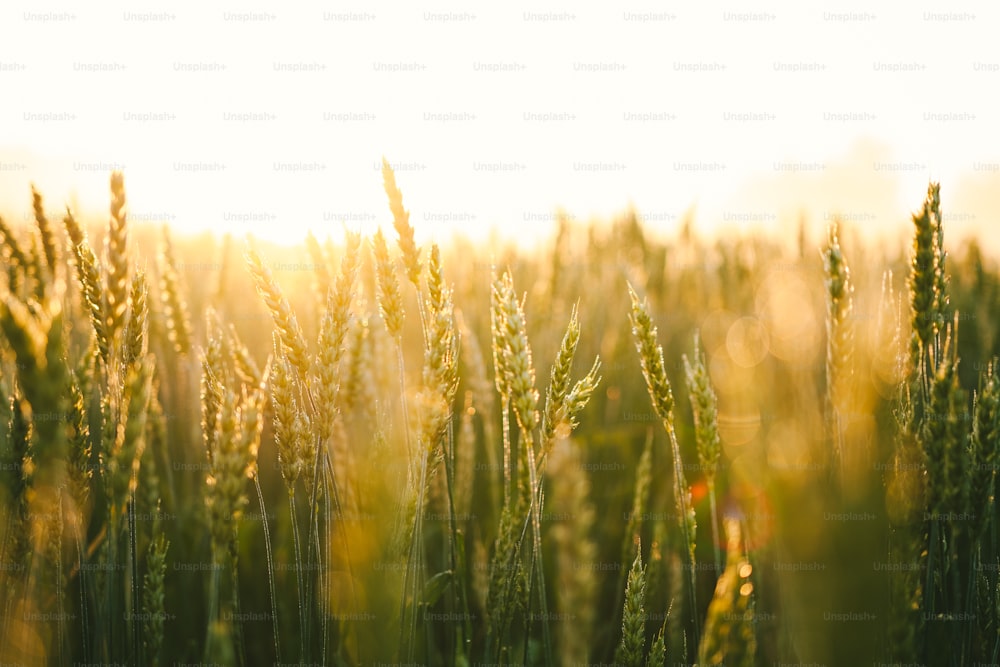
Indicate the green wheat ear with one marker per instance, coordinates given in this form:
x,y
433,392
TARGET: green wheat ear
x,y
88,273
839,337
562,403
651,358
944,437
928,281
154,596
985,449
632,646
117,265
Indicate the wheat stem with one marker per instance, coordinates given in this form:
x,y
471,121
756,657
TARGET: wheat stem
x,y
270,569
300,586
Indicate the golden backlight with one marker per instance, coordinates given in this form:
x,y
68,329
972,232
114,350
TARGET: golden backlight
x,y
273,120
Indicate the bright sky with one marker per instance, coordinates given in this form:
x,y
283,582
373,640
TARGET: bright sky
x,y
272,118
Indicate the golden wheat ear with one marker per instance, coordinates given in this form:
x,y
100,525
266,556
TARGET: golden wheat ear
x,y
390,301
285,323
401,221
172,293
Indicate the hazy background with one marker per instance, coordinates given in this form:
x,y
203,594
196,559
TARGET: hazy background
x,y
272,119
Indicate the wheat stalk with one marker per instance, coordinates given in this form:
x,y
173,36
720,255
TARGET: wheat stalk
x,y
658,386
465,457
640,499
520,387
504,590
481,394
576,587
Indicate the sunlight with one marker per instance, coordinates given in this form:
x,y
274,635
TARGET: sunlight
x,y
228,139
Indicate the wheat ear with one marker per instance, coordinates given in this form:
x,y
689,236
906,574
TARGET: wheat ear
x,y
927,280
390,301
46,233
285,322
332,337
89,276
116,265
136,331
153,601
174,305
839,339
401,221
14,256
633,642
985,448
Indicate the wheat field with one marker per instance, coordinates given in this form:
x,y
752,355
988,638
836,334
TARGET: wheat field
x,y
609,450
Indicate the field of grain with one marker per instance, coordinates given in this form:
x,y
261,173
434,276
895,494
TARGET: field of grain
x,y
610,449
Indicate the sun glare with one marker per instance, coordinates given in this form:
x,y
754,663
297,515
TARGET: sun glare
x,y
499,117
